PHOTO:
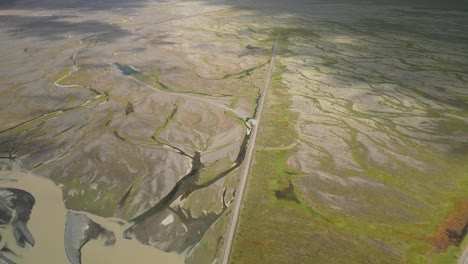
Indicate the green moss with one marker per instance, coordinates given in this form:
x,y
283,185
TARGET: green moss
x,y
233,116
451,256
56,76
152,79
85,198
168,121
211,245
214,169
300,228
234,102
245,73
285,224
279,130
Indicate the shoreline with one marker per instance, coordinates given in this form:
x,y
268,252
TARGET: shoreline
x,y
47,225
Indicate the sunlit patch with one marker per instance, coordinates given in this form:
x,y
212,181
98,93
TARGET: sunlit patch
x,y
340,39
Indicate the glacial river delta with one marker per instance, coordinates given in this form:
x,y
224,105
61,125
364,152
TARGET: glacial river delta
x,y
125,126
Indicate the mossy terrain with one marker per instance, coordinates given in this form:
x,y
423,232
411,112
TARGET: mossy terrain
x,y
272,230
280,129
375,210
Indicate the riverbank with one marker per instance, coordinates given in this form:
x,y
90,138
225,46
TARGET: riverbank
x,y
47,225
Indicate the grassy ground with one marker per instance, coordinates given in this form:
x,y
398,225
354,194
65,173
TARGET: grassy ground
x,y
273,230
280,231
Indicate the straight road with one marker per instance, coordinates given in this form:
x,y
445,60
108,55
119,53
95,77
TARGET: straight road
x,y
248,161
464,257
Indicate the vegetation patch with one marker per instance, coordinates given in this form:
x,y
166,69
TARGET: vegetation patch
x,y
287,193
453,230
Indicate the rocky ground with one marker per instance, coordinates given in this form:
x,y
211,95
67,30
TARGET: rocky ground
x,y
135,111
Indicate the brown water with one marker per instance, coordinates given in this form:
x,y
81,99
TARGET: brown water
x,y
47,224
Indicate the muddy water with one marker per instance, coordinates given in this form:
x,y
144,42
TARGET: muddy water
x,y
124,250
47,224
